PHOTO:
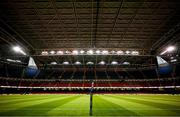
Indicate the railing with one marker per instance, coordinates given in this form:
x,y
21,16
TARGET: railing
x,y
138,87
54,80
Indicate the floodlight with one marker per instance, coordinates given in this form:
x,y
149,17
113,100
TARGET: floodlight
x,y
60,52
82,52
120,52
66,63
170,48
44,53
75,52
105,52
98,51
135,53
18,49
127,52
90,63
52,52
68,52
102,63
53,63
126,63
77,63
90,52
113,52
114,62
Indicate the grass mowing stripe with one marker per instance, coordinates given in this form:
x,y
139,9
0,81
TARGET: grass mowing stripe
x,y
175,98
141,109
103,107
154,99
9,107
41,108
164,100
127,104
21,100
170,103
77,107
154,103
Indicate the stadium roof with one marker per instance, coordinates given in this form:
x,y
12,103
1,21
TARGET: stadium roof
x,y
45,25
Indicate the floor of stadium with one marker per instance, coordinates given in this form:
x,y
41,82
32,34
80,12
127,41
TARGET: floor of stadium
x,y
78,105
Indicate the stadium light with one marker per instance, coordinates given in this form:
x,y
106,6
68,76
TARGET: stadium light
x,y
126,63
114,62
98,51
53,63
18,49
105,52
52,52
44,53
60,52
75,52
127,52
168,49
90,52
77,63
90,63
171,57
120,52
102,63
82,52
113,52
68,52
66,63
135,53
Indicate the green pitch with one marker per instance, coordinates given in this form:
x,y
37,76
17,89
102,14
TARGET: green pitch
x,y
78,105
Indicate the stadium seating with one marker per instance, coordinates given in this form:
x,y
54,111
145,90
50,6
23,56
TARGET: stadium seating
x,y
13,80
87,83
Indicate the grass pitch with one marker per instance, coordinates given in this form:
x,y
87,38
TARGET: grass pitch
x,y
78,105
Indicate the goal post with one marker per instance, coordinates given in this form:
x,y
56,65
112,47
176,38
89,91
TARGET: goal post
x,y
91,99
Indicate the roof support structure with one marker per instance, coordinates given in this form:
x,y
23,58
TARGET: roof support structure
x,y
164,39
96,25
